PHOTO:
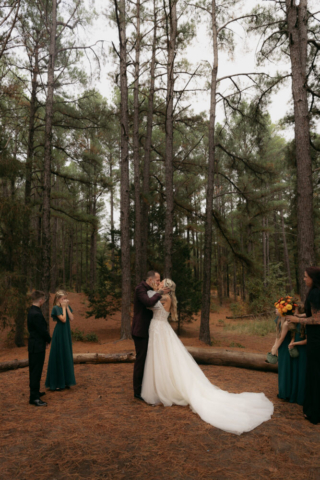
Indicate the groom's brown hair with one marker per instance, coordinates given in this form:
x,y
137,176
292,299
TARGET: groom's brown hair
x,y
151,273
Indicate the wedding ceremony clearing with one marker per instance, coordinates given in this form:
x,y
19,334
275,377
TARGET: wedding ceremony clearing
x,y
159,239
97,430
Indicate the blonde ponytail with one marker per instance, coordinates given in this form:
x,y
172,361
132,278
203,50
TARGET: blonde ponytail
x,y
168,283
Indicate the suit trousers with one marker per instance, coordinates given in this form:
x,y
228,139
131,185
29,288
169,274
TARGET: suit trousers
x,y
36,361
141,345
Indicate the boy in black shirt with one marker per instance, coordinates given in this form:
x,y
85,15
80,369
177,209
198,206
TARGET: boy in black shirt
x,y
38,338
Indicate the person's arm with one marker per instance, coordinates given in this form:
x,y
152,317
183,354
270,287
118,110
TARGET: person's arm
x,y
301,342
39,324
142,295
63,317
70,314
313,320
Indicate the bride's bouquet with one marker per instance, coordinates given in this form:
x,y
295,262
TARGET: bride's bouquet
x,y
285,306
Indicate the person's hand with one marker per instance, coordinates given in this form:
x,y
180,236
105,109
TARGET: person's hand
x,y
164,291
65,303
292,319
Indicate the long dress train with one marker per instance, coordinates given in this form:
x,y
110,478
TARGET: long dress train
x,y
172,377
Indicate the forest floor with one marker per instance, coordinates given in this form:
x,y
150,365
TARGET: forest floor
x,y
96,430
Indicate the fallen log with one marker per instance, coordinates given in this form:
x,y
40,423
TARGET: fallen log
x,y
128,357
13,365
204,356
228,358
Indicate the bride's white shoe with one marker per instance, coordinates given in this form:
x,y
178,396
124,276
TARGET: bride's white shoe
x,y
172,377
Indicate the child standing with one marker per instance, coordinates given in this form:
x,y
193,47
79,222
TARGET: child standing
x,y
60,372
38,338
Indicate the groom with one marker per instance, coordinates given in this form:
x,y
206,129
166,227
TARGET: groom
x,y
140,324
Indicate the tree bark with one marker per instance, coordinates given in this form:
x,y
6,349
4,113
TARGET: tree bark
x,y
120,8
205,311
136,159
297,19
286,256
46,233
145,201
172,27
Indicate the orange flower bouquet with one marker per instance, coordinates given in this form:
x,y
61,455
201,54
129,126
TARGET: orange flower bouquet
x,y
285,306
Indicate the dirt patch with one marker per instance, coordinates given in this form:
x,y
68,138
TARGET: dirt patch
x,y
96,430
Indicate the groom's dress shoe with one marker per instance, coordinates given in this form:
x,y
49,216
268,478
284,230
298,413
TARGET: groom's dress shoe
x,y
38,403
138,397
41,394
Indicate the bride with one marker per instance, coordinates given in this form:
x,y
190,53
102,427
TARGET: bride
x,y
172,377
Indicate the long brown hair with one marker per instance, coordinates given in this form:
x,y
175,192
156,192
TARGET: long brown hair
x,y
314,274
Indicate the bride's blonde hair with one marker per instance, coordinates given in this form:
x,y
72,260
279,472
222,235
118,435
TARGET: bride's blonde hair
x,y
168,283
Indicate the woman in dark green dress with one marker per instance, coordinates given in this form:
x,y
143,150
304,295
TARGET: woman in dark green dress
x,y
60,373
311,405
292,371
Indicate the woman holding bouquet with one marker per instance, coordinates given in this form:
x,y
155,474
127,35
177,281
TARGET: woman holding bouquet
x,y
311,405
291,371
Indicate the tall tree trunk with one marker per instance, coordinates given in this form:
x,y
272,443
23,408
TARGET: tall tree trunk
x,y
71,261
264,244
54,272
124,188
136,159
46,233
172,27
297,18
112,218
23,281
286,255
147,157
205,311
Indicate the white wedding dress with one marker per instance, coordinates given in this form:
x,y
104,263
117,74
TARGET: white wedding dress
x,y
172,377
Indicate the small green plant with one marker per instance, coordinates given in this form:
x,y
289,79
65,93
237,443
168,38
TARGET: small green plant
x,y
79,336
238,345
91,337
214,308
237,309
215,342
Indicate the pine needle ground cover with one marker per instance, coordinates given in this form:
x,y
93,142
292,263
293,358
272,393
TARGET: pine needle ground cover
x,y
96,430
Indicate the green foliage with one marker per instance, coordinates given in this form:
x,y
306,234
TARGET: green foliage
x,y
260,327
261,296
188,290
235,344
105,300
237,309
79,336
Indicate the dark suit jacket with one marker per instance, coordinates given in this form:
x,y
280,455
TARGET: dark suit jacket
x,y
38,330
142,316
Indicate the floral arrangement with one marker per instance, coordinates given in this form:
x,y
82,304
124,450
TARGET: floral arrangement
x,y
285,306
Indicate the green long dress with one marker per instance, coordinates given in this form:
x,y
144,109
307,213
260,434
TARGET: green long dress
x,y
60,372
292,371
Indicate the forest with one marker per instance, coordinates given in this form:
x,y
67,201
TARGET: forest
x,y
96,191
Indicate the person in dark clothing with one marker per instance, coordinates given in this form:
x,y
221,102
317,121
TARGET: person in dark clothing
x,y
38,339
311,404
140,325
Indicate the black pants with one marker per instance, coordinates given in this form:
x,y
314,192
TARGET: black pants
x,y
36,361
141,345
